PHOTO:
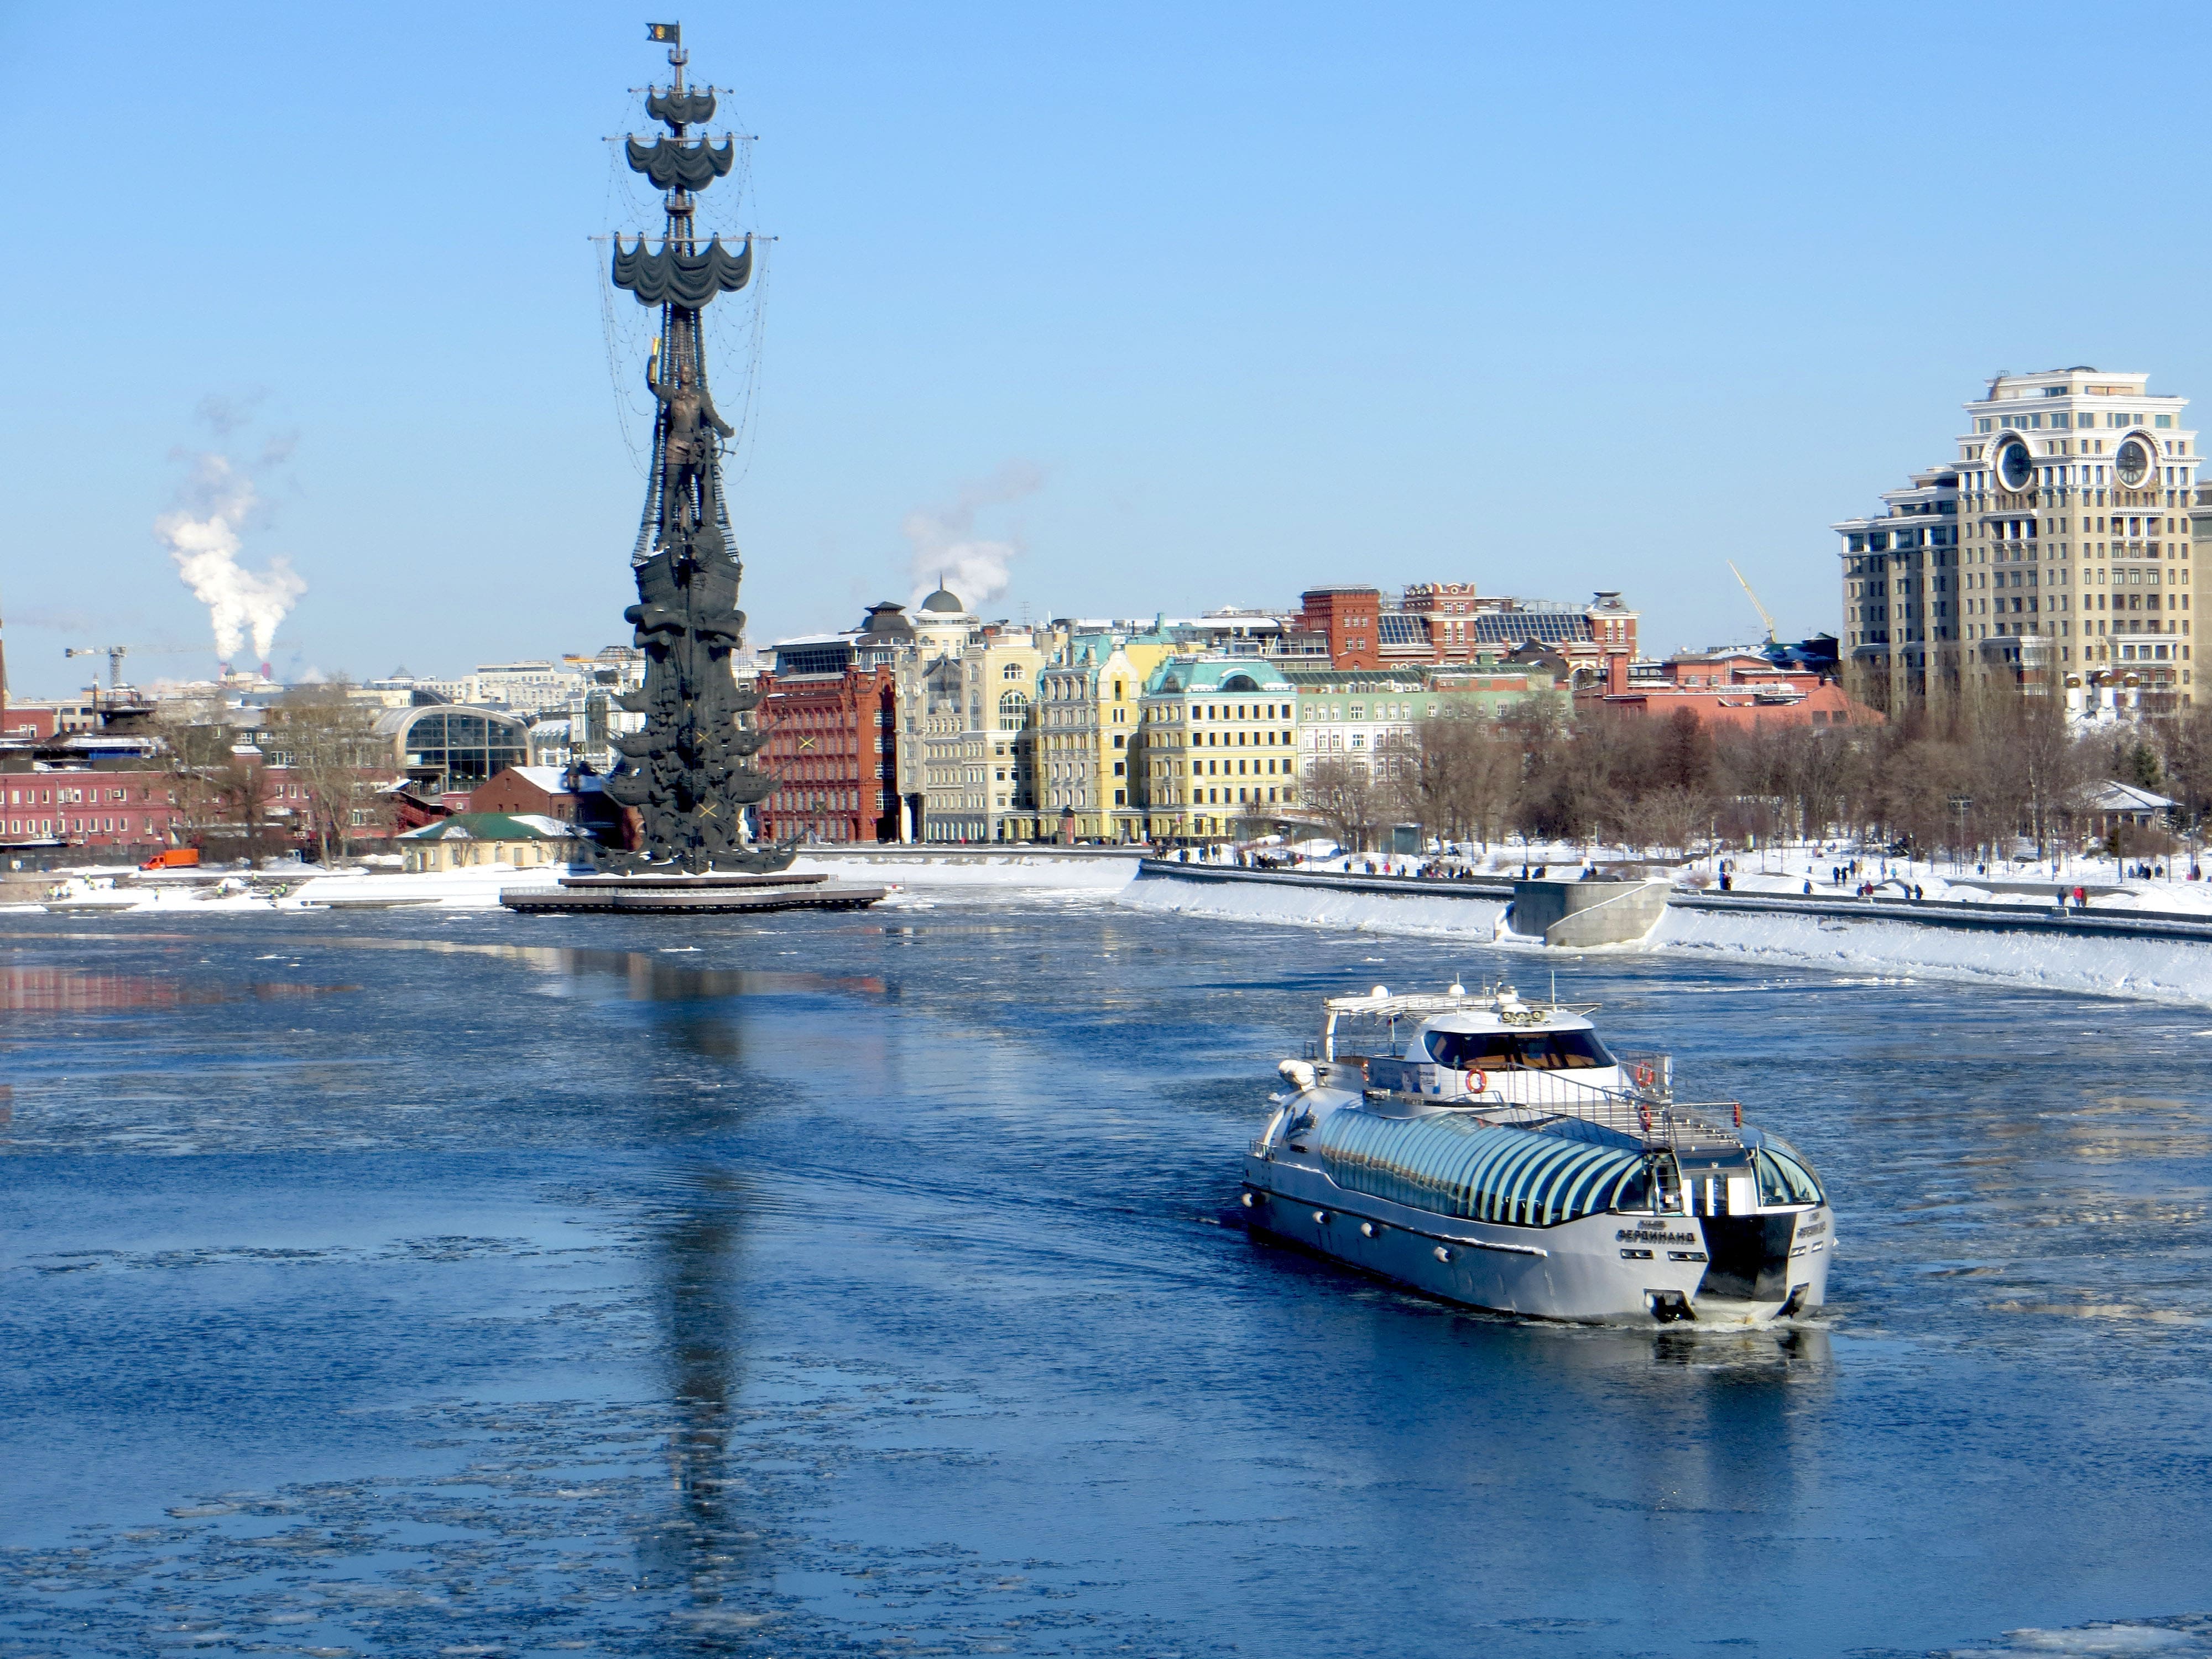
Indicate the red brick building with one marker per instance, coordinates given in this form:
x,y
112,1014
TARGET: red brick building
x,y
545,792
832,748
93,809
1438,624
1733,687
132,809
1348,619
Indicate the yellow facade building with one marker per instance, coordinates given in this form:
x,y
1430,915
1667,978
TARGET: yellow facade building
x,y
1089,709
1217,744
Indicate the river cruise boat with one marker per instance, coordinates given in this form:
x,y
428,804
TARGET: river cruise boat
x,y
1494,1152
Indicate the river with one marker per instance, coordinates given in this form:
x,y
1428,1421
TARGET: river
x,y
459,1284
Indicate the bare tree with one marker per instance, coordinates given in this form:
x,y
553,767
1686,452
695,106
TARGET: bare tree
x,y
214,789
2187,742
327,742
1460,777
1345,798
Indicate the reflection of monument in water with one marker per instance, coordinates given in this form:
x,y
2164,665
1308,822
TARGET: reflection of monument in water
x,y
691,773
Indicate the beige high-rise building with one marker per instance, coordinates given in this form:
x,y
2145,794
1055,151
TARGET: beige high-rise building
x,y
2055,554
967,695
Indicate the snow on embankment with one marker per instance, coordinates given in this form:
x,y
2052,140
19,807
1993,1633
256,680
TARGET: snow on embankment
x,y
471,888
1318,907
2160,969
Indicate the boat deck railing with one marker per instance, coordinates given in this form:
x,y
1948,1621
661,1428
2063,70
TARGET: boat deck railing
x,y
1521,1096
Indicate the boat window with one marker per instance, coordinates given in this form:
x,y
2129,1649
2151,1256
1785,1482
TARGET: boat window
x,y
1783,1180
1552,1051
1634,1192
1483,1050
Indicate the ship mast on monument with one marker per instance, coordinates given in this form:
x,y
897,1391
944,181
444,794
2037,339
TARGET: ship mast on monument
x,y
691,774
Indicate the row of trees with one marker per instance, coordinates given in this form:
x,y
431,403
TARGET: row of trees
x,y
2007,766
322,742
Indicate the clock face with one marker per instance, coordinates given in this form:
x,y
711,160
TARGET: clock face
x,y
2014,469
2134,463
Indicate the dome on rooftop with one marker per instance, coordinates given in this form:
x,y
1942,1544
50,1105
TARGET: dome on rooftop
x,y
944,603
890,620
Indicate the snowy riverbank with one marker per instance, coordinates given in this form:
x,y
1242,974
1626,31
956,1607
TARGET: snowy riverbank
x,y
2163,970
477,888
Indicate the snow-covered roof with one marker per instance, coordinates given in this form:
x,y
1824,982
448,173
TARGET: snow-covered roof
x,y
495,826
2117,796
553,780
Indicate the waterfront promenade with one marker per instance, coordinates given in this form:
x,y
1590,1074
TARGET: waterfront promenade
x,y
1970,913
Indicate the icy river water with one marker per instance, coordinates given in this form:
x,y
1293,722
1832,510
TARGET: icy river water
x,y
462,1284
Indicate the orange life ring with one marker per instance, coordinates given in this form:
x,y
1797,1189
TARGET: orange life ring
x,y
1644,1077
1476,1083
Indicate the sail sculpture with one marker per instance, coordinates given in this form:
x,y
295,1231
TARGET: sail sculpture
x,y
691,773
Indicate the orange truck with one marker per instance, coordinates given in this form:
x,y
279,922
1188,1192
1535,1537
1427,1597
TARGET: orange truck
x,y
177,858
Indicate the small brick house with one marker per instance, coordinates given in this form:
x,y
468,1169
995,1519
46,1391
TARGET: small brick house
x,y
546,791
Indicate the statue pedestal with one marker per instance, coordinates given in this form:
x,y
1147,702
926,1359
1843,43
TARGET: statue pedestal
x,y
706,895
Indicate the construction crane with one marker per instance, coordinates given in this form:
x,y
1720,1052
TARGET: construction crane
x,y
1755,605
114,653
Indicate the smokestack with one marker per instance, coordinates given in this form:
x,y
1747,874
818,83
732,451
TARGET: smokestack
x,y
202,538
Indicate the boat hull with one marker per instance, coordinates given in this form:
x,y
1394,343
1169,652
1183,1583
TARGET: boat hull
x,y
1603,1268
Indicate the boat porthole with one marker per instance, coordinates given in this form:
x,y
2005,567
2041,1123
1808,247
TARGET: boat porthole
x,y
1367,1227
1248,1200
1442,1254
1322,1216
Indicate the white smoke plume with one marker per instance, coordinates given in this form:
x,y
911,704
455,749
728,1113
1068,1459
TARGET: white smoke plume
x,y
947,550
202,534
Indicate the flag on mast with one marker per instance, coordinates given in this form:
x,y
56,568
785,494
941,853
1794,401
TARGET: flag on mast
x,y
669,34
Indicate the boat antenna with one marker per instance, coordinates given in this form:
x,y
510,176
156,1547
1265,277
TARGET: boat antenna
x,y
1555,987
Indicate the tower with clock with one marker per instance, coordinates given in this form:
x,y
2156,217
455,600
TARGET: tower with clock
x,y
2061,552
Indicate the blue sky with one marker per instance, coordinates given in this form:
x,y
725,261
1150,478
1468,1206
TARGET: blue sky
x,y
1224,301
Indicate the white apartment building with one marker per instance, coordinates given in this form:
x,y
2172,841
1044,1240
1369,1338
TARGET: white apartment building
x,y
2055,553
542,685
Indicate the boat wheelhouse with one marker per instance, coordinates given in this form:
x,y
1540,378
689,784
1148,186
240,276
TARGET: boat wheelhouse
x,y
1497,1152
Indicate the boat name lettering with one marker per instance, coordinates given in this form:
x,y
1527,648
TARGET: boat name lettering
x,y
1813,1231
1637,1236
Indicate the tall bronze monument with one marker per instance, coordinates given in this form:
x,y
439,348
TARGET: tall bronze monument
x,y
691,773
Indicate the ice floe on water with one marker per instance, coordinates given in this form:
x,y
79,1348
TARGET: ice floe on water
x,y
2184,1635
918,866
622,1528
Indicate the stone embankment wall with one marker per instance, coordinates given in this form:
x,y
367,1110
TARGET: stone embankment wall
x,y
1963,914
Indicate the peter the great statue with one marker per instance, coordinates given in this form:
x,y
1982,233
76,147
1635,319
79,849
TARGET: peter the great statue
x,y
691,773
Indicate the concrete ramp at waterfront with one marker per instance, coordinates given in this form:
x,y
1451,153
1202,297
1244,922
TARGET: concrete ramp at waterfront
x,y
1580,916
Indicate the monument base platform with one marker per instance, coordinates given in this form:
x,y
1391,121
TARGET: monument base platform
x,y
706,895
